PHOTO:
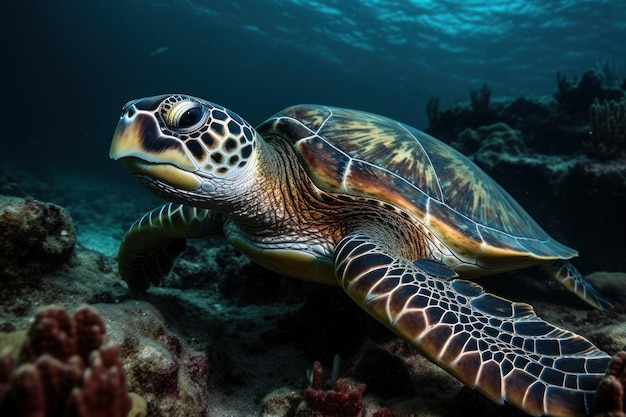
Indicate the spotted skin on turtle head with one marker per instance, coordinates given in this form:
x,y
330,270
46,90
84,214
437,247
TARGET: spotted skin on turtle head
x,y
193,134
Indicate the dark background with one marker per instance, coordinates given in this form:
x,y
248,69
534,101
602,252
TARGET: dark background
x,y
70,66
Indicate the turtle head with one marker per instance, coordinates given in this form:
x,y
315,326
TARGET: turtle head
x,y
186,149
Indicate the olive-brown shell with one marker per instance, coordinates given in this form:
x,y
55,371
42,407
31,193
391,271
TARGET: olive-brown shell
x,y
367,155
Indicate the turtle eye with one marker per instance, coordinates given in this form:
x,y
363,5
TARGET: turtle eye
x,y
185,115
190,117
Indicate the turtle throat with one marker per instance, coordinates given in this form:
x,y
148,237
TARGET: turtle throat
x,y
279,198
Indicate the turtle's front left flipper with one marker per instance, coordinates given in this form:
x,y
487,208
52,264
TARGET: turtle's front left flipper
x,y
494,345
153,244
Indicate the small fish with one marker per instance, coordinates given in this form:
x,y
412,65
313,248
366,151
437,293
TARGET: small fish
x,y
159,51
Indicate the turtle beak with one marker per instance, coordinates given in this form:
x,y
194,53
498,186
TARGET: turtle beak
x,y
168,174
127,139
146,151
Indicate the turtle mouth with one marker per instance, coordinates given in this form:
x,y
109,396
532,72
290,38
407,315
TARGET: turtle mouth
x,y
163,172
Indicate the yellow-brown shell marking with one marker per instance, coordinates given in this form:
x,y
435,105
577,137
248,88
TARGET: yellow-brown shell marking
x,y
362,154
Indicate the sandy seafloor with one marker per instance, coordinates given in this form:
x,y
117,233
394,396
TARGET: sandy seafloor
x,y
243,332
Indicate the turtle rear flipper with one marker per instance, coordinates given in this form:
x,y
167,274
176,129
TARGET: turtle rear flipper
x,y
153,244
499,347
573,280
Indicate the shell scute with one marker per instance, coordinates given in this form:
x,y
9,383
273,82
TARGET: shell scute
x,y
539,248
384,144
461,237
326,163
349,152
313,117
388,187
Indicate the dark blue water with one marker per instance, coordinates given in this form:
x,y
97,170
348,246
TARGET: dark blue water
x,y
69,66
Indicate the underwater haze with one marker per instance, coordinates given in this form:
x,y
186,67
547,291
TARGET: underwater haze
x,y
69,66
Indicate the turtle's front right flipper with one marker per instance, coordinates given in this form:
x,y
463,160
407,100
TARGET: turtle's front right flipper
x,y
153,244
491,344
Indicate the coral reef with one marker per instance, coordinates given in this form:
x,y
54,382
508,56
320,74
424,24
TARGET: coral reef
x,y
575,96
235,352
550,125
497,138
342,401
480,99
610,400
608,130
176,379
570,146
65,368
222,332
36,237
279,403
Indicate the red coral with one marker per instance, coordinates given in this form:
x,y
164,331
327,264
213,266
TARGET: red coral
x,y
104,380
90,332
57,378
53,378
57,333
343,401
52,333
26,393
610,400
172,343
197,365
383,412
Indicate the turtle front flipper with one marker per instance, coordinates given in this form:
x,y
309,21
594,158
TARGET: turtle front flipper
x,y
573,280
153,244
494,345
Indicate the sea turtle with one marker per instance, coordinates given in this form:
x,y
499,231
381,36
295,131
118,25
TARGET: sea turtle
x,y
381,209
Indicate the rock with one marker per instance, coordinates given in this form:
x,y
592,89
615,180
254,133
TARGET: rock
x,y
36,237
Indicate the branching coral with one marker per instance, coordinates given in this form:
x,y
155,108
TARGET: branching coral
x,y
608,123
480,98
64,369
343,401
576,96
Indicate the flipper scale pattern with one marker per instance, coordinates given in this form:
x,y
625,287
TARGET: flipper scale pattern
x,y
153,244
497,346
